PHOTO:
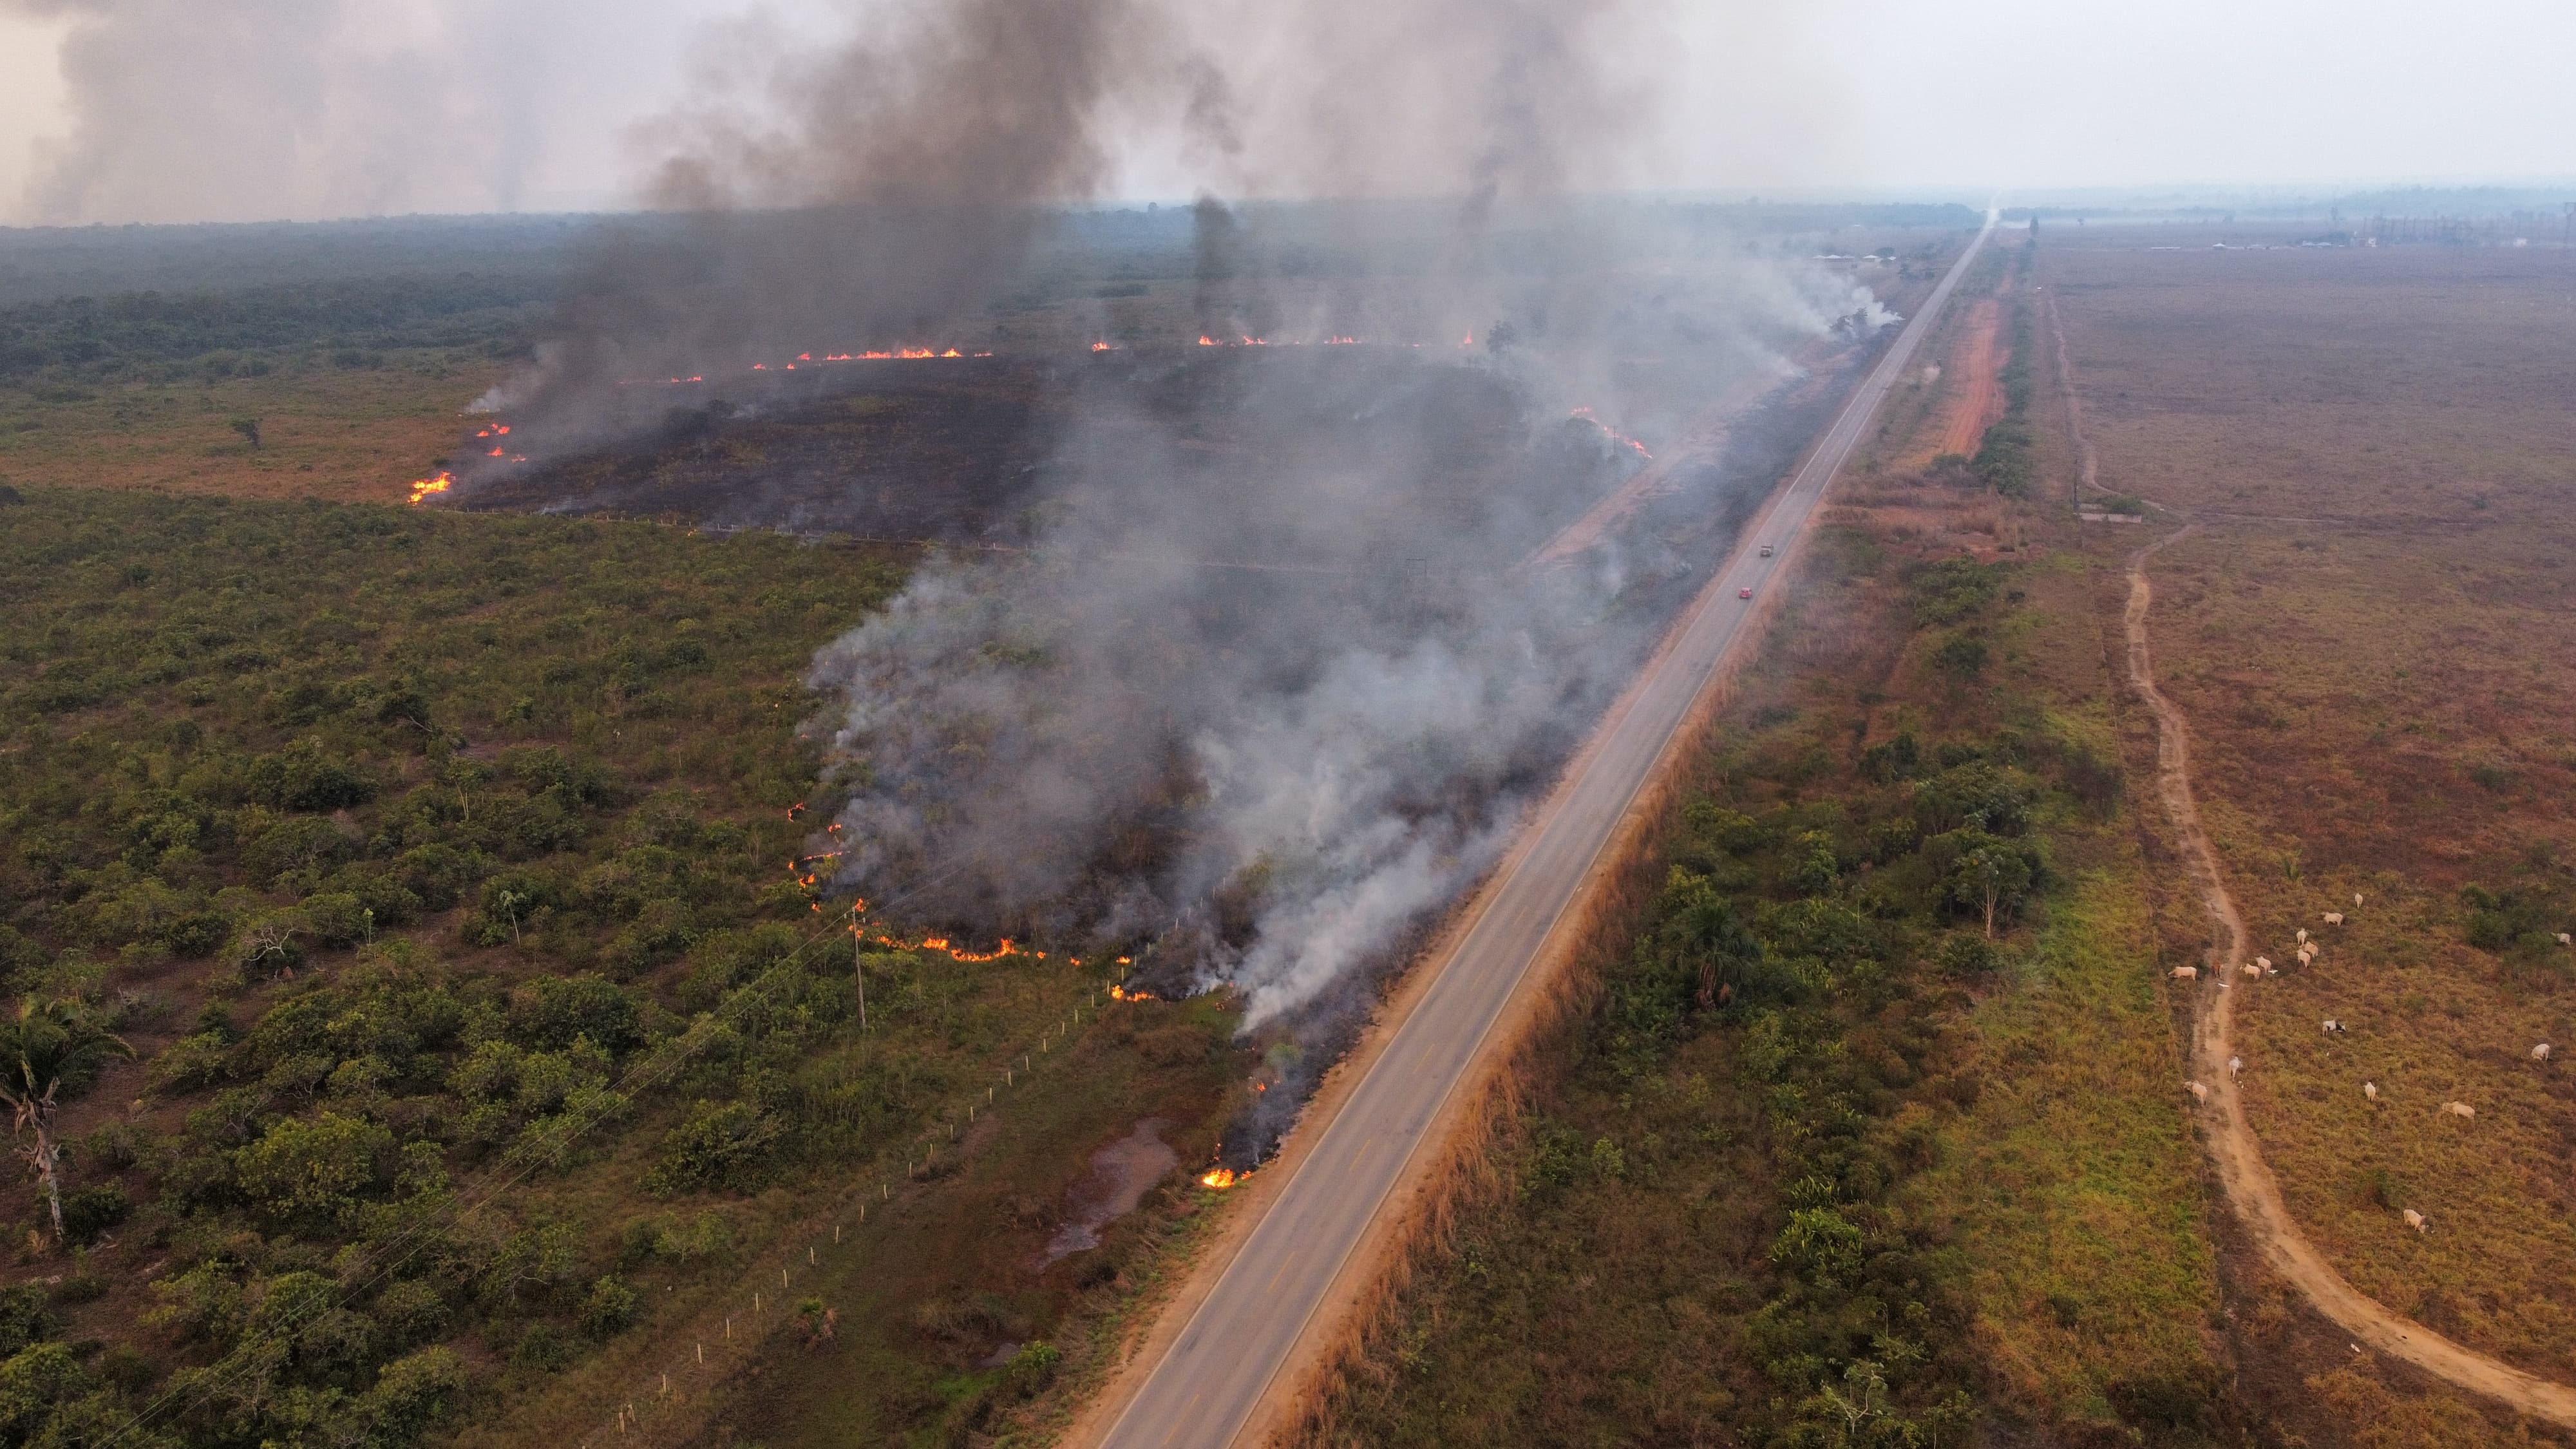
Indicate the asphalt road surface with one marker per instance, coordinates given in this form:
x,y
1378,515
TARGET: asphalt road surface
x,y
1207,1386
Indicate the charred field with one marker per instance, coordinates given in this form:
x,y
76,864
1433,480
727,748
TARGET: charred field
x,y
983,451
1332,497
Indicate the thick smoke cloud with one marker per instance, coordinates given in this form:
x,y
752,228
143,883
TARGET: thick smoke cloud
x,y
1280,675
253,110
1275,681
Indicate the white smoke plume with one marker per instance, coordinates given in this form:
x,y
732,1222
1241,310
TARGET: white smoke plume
x,y
1277,682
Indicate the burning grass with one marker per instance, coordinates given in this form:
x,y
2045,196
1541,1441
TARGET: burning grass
x,y
348,435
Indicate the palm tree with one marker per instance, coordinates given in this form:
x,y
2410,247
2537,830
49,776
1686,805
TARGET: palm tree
x,y
44,1045
1705,928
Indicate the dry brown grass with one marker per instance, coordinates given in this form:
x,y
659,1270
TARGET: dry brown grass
x,y
352,437
2373,644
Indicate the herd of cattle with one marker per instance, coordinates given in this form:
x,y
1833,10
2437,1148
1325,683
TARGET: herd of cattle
x,y
2307,951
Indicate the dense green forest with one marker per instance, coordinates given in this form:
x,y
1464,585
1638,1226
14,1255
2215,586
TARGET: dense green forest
x,y
166,337
404,852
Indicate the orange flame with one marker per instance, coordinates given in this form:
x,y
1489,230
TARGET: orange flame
x,y
423,487
1100,347
1206,341
1120,993
1222,1178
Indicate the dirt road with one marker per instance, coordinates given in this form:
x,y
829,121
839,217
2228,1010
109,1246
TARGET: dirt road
x,y
2248,1182
1977,401
1253,1324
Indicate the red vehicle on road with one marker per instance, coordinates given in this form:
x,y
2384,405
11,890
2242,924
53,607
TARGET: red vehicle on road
x,y
1744,593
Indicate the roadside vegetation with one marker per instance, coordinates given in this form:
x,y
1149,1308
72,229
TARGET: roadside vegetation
x,y
1869,1137
416,1004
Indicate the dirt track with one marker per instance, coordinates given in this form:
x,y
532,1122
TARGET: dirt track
x,y
2242,1173
1978,402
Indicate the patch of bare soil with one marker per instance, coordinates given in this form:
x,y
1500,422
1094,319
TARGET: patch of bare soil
x,y
1121,1174
1978,402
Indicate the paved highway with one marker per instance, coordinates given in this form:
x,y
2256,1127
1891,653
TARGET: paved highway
x,y
1240,1339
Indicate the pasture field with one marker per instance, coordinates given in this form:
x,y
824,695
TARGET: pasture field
x,y
2370,633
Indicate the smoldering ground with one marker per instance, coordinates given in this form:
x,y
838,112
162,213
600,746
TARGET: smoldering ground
x,y
1278,678
1273,676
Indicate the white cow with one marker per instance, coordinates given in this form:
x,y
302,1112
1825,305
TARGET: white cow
x,y
2334,918
2460,1109
2334,1024
2198,1092
2565,939
2235,1066
2186,973
2356,900
2540,1053
2370,1090
2303,935
2414,1220
2263,961
2253,972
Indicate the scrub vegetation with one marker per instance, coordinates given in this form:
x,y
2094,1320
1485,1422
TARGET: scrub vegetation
x,y
404,936
1868,1139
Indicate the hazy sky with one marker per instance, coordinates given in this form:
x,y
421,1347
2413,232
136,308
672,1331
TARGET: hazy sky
x,y
173,110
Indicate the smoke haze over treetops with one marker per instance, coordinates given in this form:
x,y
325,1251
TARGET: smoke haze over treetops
x,y
1271,681
1271,684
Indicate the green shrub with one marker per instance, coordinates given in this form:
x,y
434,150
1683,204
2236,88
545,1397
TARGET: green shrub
x,y
413,1395
338,918
1033,1367
321,1167
1961,656
608,1309
25,1318
718,1145
303,777
92,1210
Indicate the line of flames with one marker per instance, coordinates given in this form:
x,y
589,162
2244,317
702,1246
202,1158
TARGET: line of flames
x,y
1217,1179
1613,433
891,354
